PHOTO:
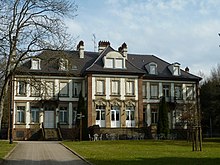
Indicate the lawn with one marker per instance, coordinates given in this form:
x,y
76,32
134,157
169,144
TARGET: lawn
x,y
147,152
5,148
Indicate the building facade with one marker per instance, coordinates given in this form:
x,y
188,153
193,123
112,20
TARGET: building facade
x,y
122,91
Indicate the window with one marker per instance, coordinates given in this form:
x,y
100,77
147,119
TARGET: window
x,y
35,88
21,88
154,91
130,88
189,93
100,115
130,116
64,89
20,114
166,91
63,115
153,69
35,114
178,92
154,115
115,116
119,63
100,87
144,90
109,63
176,70
77,87
49,88
63,64
115,87
35,64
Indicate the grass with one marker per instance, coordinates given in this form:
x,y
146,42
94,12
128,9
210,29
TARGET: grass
x,y
148,152
5,148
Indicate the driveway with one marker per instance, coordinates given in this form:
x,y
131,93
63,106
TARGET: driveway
x,y
42,153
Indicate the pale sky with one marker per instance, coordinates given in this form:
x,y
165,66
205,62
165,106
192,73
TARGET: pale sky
x,y
184,31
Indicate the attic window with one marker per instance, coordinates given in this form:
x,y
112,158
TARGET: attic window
x,y
175,69
151,68
63,64
114,60
35,64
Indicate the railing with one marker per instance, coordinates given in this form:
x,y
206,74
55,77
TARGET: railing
x,y
43,131
59,131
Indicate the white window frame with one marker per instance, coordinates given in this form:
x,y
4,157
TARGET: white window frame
x,y
35,111
130,88
115,87
20,114
35,64
63,114
100,115
35,88
189,92
63,89
100,87
21,88
77,87
63,64
154,92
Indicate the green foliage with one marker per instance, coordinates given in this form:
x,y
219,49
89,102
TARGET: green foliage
x,y
210,104
150,152
163,123
82,109
5,148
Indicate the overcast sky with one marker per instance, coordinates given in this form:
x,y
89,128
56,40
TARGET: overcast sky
x,y
184,31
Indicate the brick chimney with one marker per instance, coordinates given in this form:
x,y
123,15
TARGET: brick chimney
x,y
123,49
103,45
80,48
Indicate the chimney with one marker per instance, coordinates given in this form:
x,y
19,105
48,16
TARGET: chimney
x,y
80,48
187,69
124,50
103,45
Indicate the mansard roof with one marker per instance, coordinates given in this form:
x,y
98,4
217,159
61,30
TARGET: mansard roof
x,y
92,62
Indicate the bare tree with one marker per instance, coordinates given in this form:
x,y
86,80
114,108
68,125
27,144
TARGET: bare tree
x,y
27,27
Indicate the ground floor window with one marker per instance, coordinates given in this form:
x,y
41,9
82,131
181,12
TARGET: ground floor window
x,y
154,114
20,114
130,122
100,115
74,115
115,116
63,115
35,114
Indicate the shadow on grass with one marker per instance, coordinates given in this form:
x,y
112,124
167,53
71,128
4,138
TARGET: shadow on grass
x,y
159,161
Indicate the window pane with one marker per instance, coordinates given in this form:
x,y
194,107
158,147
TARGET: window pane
x,y
130,88
115,87
117,115
64,89
49,88
113,115
109,62
35,88
118,63
100,87
154,91
127,115
152,69
21,88
102,115
77,87
97,115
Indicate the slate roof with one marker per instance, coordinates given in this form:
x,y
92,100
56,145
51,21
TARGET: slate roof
x,y
93,63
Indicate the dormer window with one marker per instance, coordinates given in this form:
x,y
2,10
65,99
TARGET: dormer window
x,y
175,69
63,64
151,68
114,60
35,64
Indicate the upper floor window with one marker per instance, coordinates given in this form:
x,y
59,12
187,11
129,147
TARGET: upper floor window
x,y
35,88
64,89
189,93
144,90
178,92
21,88
100,88
166,90
154,91
35,64
115,87
49,88
77,87
175,69
114,60
63,64
151,68
130,88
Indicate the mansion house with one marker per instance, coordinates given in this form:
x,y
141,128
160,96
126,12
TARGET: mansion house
x,y
122,91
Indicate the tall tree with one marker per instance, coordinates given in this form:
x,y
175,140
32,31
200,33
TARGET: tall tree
x,y
27,27
163,123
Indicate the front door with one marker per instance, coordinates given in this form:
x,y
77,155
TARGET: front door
x,y
49,119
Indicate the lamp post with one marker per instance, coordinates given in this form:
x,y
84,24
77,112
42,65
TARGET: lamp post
x,y
11,112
